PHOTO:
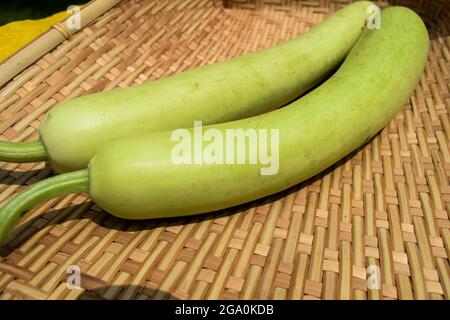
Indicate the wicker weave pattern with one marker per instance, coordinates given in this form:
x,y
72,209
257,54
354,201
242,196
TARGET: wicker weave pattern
x,y
430,9
386,206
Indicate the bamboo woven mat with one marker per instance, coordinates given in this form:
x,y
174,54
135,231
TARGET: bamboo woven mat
x,y
382,211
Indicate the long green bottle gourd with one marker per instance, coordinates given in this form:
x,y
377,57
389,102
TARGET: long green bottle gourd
x,y
135,177
253,84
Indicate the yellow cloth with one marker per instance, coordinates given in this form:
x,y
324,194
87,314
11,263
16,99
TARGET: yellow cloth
x,y
17,34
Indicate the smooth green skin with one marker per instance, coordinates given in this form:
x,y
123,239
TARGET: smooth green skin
x,y
242,87
134,177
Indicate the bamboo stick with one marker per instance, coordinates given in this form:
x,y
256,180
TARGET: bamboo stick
x,y
23,58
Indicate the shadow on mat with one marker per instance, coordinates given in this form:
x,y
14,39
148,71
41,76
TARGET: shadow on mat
x,y
124,292
107,221
13,177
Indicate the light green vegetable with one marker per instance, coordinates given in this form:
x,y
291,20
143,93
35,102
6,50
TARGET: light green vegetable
x,y
135,177
245,86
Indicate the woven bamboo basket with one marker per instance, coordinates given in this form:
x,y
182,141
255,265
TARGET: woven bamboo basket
x,y
381,212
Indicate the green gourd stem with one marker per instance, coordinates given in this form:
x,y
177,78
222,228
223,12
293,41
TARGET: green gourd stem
x,y
10,214
19,152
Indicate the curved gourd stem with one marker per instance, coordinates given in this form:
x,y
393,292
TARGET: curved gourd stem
x,y
12,211
20,152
